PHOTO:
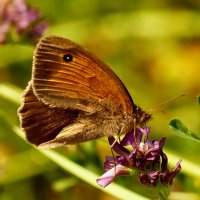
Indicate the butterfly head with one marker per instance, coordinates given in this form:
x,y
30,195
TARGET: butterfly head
x,y
141,117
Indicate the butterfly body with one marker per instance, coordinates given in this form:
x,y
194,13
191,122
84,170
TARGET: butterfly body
x,y
74,97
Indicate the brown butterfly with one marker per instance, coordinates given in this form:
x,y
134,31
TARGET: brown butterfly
x,y
74,97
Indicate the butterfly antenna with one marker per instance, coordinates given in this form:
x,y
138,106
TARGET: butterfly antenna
x,y
165,102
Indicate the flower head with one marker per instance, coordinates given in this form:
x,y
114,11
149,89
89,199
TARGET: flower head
x,y
26,20
146,156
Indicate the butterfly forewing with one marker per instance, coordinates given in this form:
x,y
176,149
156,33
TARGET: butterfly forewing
x,y
84,83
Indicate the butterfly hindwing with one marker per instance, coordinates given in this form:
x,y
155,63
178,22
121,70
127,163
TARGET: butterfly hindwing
x,y
40,122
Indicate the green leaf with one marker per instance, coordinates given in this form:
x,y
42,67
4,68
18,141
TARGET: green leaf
x,y
180,129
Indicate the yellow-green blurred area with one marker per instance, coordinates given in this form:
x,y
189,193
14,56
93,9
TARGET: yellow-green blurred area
x,y
153,46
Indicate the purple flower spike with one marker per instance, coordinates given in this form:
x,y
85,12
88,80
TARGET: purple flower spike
x,y
26,20
110,175
38,30
146,156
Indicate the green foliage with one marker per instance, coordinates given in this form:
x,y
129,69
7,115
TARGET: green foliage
x,y
198,99
179,128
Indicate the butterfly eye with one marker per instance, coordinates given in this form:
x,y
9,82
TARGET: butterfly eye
x,y
68,58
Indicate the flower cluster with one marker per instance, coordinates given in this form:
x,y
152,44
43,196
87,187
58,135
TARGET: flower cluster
x,y
26,20
146,156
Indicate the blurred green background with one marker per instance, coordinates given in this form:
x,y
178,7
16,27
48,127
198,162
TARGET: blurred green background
x,y
153,46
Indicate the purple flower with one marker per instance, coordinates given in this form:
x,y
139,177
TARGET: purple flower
x,y
26,20
150,178
110,175
168,176
146,156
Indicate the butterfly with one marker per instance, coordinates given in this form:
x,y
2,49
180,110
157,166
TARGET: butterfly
x,y
74,97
